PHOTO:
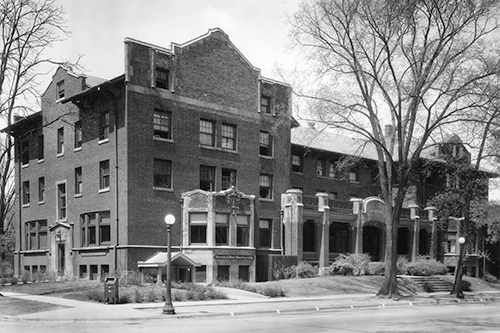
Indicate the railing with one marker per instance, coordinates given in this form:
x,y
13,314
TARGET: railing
x,y
311,202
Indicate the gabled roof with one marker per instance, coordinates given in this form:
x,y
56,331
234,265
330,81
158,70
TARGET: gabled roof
x,y
159,259
216,33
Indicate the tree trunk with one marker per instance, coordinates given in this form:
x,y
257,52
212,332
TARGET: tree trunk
x,y
458,284
389,287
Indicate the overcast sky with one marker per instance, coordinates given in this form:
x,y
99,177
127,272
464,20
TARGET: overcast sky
x,y
258,28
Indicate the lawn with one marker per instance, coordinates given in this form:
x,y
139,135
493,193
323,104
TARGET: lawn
x,y
318,286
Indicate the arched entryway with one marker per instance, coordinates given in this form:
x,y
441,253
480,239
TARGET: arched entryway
x,y
423,245
309,240
339,238
404,241
372,241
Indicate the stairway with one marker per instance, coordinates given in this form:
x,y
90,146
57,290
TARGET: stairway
x,y
429,283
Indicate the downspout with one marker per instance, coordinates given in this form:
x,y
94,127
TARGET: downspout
x,y
21,233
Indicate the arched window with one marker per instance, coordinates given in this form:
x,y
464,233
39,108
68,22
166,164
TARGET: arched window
x,y
309,231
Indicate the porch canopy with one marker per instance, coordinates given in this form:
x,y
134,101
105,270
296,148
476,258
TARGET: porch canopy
x,y
158,262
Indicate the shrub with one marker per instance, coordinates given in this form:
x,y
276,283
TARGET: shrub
x,y
305,270
130,278
427,287
6,270
95,294
490,278
272,290
376,268
350,264
402,265
26,277
466,285
423,266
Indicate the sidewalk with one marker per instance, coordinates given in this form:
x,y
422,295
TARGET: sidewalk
x,y
241,303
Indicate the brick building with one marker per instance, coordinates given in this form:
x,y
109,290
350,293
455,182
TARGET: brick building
x,y
195,131
104,161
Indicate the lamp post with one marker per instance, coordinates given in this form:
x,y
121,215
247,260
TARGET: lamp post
x,y
169,308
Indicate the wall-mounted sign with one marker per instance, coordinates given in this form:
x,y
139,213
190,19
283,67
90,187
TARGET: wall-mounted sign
x,y
233,256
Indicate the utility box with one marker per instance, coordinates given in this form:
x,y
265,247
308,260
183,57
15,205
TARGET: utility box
x,y
111,290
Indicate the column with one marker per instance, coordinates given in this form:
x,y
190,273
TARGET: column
x,y
324,249
357,210
292,206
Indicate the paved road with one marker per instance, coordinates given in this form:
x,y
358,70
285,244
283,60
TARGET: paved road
x,y
480,317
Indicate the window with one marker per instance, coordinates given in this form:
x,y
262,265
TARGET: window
x,y
162,173
78,134
265,232
60,141
354,175
40,148
265,187
207,178
161,78
104,227
332,170
228,137
228,178
297,163
61,201
265,104
36,235
242,230
26,193
78,181
221,229
104,125
198,228
104,175
41,189
25,152
162,124
207,133
60,89
333,195
265,141
320,168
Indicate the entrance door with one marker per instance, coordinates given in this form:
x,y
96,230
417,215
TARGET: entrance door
x,y
60,259
371,242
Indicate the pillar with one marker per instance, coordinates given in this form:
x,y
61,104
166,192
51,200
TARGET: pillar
x,y
292,206
416,240
324,249
357,210
432,220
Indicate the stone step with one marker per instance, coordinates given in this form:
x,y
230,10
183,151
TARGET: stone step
x,y
429,283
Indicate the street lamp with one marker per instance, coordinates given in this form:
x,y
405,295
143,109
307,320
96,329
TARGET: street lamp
x,y
169,308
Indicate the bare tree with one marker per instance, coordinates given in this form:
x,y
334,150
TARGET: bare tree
x,y
416,65
28,28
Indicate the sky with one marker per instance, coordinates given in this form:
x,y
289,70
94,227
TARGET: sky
x,y
258,28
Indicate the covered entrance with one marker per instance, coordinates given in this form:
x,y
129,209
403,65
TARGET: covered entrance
x,y
372,242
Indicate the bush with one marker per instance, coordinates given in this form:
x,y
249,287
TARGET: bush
x,y
26,277
272,290
376,268
423,266
130,278
402,265
490,278
6,270
466,285
301,270
350,264
305,270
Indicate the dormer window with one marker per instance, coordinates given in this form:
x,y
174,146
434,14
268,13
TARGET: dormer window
x,y
60,89
265,104
161,78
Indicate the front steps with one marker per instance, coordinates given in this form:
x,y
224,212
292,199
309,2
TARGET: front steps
x,y
429,283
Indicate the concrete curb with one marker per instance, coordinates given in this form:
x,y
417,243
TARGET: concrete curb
x,y
273,307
